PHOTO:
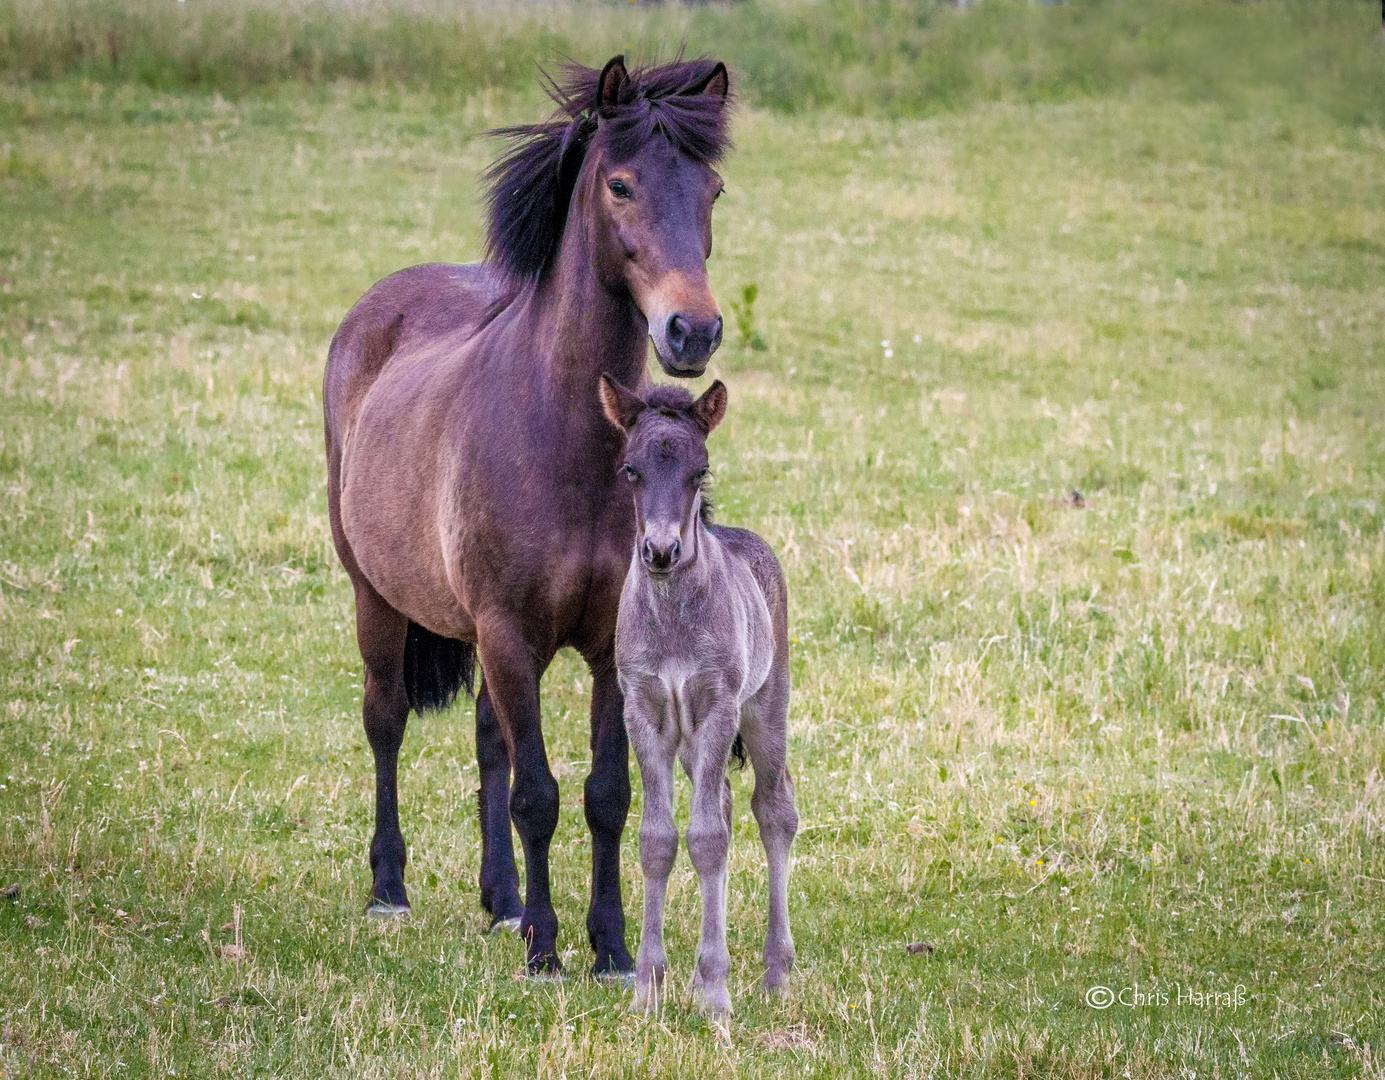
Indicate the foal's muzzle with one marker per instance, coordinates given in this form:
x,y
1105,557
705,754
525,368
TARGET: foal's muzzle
x,y
688,342
660,559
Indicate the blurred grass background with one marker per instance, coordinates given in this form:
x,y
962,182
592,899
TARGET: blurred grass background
x,y
871,57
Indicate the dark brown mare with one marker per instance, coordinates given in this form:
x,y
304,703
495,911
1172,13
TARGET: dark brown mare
x,y
472,478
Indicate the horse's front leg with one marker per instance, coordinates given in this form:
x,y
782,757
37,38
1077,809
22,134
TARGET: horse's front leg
x,y
499,882
606,803
512,682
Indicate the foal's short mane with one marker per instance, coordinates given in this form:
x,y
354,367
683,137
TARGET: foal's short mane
x,y
531,183
671,401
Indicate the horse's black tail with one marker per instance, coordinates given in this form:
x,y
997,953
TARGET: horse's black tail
x,y
435,668
738,751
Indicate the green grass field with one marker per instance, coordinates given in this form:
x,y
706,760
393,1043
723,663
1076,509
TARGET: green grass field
x,y
1134,743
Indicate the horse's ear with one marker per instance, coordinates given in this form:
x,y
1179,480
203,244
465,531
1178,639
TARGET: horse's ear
x,y
708,410
611,84
621,406
717,82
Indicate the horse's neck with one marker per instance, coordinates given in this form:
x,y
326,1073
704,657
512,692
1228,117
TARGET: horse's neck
x,y
585,329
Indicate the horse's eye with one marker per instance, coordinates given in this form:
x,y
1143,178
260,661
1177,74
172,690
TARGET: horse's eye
x,y
701,475
620,190
631,473
720,192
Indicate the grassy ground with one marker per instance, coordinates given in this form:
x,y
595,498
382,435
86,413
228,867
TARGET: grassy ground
x,y
1132,744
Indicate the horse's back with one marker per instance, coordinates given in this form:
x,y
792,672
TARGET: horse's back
x,y
406,309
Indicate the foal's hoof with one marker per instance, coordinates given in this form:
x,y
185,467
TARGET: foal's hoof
x,y
506,926
777,987
714,1003
646,1004
380,909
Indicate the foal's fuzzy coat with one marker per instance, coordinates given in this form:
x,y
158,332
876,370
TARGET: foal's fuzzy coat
x,y
702,654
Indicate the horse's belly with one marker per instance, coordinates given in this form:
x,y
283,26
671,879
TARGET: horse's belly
x,y
390,520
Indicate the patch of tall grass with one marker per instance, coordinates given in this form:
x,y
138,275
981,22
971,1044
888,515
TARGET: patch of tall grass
x,y
877,57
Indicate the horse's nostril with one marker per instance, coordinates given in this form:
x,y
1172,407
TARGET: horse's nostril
x,y
677,549
676,332
716,337
647,552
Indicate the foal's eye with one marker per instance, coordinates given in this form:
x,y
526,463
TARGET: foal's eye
x,y
620,190
631,473
701,475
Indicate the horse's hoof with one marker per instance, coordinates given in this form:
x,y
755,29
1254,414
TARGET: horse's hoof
x,y
545,968
506,926
379,909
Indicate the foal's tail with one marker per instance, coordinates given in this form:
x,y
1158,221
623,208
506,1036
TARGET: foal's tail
x,y
435,668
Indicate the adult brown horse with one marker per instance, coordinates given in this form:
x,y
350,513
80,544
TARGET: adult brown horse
x,y
472,478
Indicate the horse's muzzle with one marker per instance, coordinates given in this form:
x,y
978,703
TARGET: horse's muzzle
x,y
688,342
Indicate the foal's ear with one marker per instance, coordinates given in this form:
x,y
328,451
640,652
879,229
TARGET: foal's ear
x,y
708,410
612,83
621,406
717,82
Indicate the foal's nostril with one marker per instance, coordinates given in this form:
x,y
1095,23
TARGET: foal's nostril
x,y
716,337
677,550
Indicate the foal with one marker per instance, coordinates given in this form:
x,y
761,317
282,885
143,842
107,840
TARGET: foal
x,y
702,655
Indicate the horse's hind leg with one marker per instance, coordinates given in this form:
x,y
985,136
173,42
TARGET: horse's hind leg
x,y
606,803
381,632
499,882
772,803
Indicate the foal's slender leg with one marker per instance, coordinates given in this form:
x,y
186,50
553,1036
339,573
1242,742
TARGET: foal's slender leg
x,y
381,632
606,803
658,848
499,882
773,806
689,767
709,836
512,679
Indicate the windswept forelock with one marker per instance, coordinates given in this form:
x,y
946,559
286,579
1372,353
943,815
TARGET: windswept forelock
x,y
531,183
668,399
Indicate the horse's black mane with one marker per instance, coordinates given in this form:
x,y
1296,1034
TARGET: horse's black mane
x,y
531,183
